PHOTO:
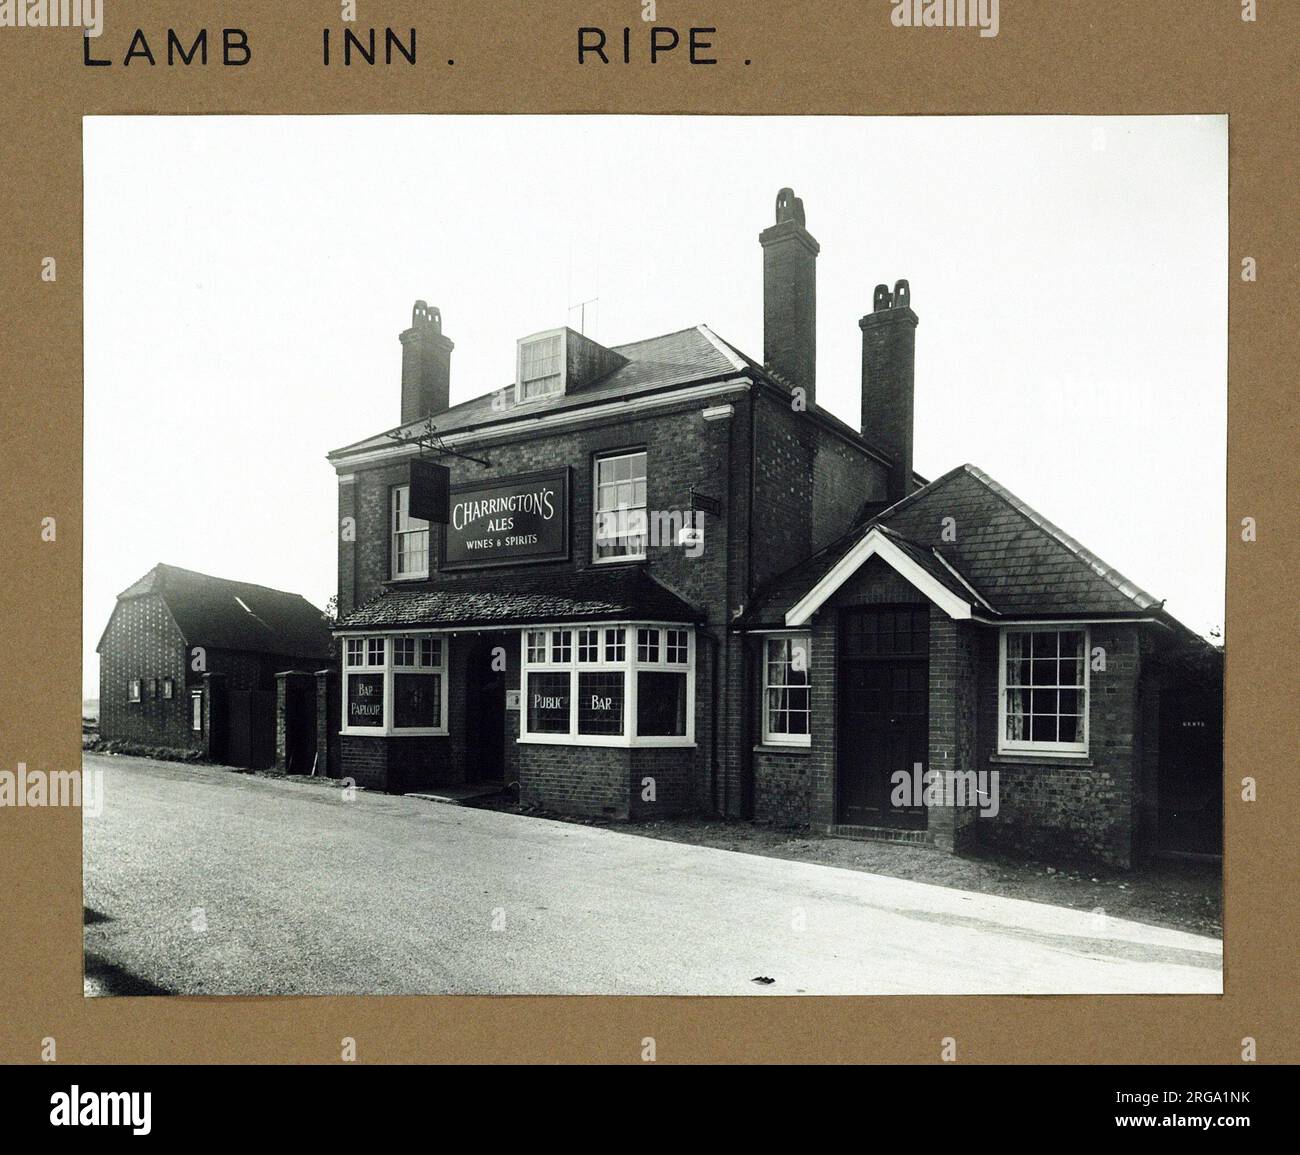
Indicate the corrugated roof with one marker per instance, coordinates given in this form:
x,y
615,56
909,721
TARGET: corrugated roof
x,y
1005,554
231,615
615,593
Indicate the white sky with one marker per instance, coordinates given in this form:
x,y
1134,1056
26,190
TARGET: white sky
x,y
246,279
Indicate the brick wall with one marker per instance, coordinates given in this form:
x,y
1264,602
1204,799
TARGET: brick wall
x,y
142,641
808,484
576,779
1089,810
1084,809
953,746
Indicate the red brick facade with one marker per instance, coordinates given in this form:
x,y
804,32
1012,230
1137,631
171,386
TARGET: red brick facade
x,y
796,490
808,477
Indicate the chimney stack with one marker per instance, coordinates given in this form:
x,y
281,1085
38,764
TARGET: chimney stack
x,y
888,367
426,366
790,296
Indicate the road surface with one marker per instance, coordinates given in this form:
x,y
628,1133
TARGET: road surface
x,y
199,880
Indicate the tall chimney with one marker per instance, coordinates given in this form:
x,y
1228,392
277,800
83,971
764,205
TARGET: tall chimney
x,y
426,366
790,296
888,367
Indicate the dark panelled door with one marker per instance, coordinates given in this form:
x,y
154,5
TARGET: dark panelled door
x,y
485,710
884,678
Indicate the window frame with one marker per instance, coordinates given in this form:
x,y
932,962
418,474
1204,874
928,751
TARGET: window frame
x,y
389,669
401,495
134,690
560,338
777,738
1040,749
596,461
629,665
196,711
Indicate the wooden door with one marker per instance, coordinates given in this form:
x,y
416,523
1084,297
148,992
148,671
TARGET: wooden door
x,y
884,712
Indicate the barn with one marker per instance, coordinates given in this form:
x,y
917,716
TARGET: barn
x,y
192,664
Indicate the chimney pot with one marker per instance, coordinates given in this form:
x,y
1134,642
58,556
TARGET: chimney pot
x,y
790,295
888,380
426,365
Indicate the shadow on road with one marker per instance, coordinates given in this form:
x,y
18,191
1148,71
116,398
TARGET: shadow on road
x,y
106,978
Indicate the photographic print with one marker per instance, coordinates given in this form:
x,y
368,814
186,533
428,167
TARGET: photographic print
x,y
654,555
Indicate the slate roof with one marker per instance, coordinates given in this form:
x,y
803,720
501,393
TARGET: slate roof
x,y
694,356
1013,559
208,612
615,593
688,356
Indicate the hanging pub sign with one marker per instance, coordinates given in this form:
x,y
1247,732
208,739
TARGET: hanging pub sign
x,y
509,521
430,491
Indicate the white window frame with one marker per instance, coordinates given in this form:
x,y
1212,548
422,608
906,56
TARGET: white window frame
x,y
402,530
776,738
522,396
597,512
134,687
168,688
196,711
1040,749
629,665
388,667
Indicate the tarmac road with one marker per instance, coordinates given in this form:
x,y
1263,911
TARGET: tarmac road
x,y
199,880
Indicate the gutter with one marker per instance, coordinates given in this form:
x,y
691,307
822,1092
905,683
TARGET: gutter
x,y
511,426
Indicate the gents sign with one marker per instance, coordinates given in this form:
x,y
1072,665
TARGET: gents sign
x,y
517,519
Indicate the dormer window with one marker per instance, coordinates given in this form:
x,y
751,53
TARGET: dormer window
x,y
541,366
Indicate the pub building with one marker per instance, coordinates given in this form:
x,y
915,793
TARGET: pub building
x,y
658,578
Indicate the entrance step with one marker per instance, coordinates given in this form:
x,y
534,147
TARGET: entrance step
x,y
460,795
882,834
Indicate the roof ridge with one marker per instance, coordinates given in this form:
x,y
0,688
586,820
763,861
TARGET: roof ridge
x,y
1108,573
226,581
656,337
928,488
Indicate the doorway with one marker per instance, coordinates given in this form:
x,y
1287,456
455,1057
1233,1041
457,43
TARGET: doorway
x,y
485,710
884,712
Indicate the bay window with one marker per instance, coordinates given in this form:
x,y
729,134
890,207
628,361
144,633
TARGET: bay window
x,y
625,685
787,694
1043,691
395,684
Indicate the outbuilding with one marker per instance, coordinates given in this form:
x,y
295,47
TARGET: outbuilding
x,y
194,664
663,578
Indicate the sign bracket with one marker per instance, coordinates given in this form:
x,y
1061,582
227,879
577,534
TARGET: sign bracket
x,y
428,438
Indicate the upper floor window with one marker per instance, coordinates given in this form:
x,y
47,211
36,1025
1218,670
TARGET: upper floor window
x,y
1043,691
133,690
619,505
410,546
541,366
